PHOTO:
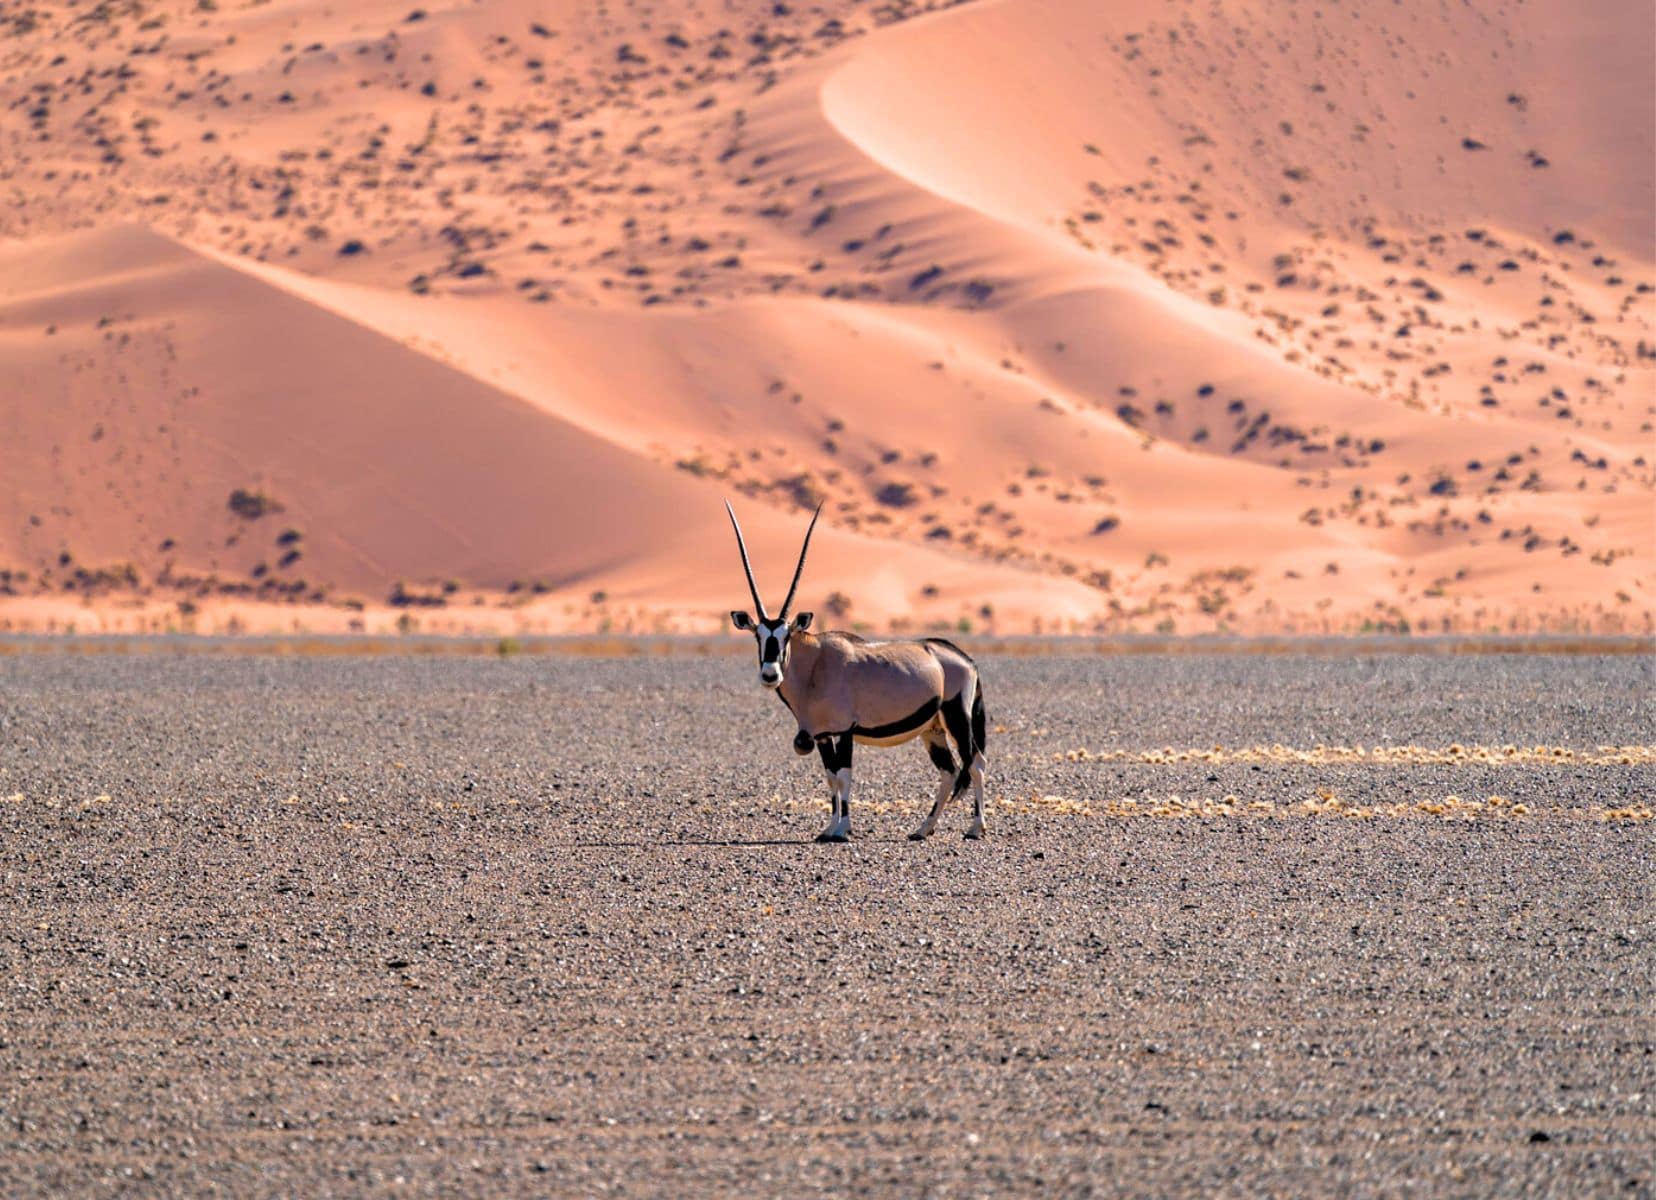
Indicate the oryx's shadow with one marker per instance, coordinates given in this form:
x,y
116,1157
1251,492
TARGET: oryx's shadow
x,y
729,843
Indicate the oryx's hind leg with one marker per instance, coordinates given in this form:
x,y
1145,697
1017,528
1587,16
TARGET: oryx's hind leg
x,y
937,745
836,761
958,713
978,764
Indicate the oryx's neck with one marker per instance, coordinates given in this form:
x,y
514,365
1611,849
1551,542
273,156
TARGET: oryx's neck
x,y
803,649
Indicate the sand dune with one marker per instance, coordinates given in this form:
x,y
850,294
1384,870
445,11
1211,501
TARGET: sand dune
x,y
1127,316
329,461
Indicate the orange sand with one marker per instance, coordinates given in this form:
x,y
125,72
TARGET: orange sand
x,y
1080,316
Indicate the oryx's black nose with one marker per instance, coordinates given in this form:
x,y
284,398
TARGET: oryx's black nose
x,y
803,742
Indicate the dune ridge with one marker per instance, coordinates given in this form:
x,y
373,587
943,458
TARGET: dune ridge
x,y
1076,317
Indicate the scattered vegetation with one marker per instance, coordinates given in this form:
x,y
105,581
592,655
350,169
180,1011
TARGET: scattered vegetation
x,y
251,505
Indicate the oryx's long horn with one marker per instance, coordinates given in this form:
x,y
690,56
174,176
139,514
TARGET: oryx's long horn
x,y
800,569
759,605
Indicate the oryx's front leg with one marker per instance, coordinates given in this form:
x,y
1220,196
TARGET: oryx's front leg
x,y
836,762
938,747
826,750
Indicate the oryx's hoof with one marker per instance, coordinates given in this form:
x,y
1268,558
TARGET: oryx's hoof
x,y
919,835
804,743
833,835
976,833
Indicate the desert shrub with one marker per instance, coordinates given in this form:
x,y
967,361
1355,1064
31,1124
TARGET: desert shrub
x,y
252,505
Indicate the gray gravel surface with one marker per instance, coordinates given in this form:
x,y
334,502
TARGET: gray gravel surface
x,y
557,926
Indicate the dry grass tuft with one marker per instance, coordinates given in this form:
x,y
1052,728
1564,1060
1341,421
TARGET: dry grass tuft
x,y
1454,755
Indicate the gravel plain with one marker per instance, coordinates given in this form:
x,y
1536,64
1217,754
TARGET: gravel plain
x,y
557,926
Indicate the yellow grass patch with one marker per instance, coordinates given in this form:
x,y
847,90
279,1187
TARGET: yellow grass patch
x,y
1453,755
1038,802
1631,813
1326,803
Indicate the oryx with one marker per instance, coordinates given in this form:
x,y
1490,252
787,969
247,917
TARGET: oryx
x,y
843,690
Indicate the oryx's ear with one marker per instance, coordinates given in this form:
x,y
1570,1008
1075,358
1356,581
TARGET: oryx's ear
x,y
802,621
741,620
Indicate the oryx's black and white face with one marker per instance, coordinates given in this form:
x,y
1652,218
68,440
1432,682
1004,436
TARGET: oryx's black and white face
x,y
771,633
772,636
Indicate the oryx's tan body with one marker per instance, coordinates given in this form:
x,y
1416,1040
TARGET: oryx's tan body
x,y
838,683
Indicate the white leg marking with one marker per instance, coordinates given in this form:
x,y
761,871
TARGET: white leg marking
x,y
833,806
839,827
843,827
977,830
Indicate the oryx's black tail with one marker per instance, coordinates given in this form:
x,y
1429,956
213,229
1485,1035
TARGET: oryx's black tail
x,y
979,721
968,732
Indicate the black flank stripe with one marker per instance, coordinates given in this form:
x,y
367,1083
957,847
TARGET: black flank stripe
x,y
924,713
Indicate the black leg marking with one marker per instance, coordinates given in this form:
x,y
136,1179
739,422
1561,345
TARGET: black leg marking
x,y
940,756
960,728
835,751
842,757
830,761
